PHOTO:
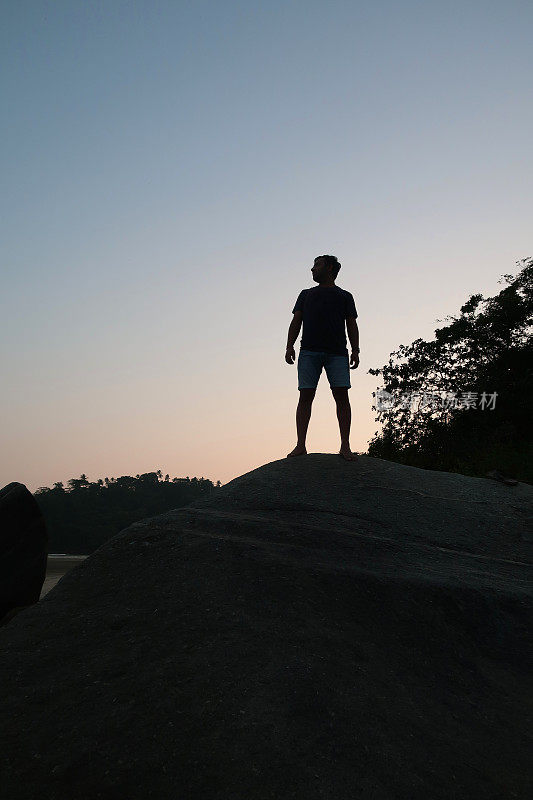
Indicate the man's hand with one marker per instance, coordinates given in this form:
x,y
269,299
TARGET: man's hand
x,y
290,355
354,360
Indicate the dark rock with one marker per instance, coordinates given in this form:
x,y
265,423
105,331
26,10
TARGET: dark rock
x,y
23,549
496,475
317,629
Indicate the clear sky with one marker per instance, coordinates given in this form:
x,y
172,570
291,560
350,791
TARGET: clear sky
x,y
171,170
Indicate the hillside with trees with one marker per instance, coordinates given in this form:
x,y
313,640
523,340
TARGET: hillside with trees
x,y
83,515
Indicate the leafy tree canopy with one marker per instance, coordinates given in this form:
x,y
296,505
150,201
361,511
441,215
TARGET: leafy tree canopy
x,y
462,402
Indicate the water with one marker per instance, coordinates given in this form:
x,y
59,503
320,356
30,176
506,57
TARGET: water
x,y
58,564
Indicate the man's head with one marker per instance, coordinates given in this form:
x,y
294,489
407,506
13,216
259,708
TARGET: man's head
x,y
325,269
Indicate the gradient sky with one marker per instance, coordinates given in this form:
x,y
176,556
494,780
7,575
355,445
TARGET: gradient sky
x,y
170,172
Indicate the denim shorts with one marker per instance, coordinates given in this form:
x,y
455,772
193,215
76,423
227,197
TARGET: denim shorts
x,y
310,363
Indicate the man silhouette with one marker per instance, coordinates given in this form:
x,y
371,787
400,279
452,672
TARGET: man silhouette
x,y
324,309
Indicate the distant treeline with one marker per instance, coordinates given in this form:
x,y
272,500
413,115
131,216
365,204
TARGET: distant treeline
x,y
81,517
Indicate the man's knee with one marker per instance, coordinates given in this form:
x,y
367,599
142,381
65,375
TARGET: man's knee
x,y
307,395
340,393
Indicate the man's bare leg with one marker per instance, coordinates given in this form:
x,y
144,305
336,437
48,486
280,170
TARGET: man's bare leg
x,y
344,416
303,415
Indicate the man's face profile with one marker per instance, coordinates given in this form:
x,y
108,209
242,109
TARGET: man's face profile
x,y
321,271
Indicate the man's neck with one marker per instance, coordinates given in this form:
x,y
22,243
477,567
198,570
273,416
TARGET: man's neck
x,y
327,285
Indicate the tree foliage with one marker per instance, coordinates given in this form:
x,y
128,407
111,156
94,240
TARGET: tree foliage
x,y
85,515
438,415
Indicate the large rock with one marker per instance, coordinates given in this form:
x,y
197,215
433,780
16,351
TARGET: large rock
x,y
316,629
23,549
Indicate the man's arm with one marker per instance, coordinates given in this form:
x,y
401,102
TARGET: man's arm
x,y
353,333
294,329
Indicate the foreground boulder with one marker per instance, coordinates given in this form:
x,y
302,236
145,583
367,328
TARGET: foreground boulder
x,y
316,628
23,549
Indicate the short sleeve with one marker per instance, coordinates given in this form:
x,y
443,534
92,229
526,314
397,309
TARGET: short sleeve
x,y
299,305
350,309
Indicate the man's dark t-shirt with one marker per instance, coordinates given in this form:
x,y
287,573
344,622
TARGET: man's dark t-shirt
x,y
324,311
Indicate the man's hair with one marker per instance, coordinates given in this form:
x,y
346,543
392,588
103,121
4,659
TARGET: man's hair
x,y
333,263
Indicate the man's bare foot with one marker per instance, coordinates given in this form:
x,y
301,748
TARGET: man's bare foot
x,y
346,453
298,451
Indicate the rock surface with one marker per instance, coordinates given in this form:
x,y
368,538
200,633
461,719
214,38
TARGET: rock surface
x,y
316,629
23,549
